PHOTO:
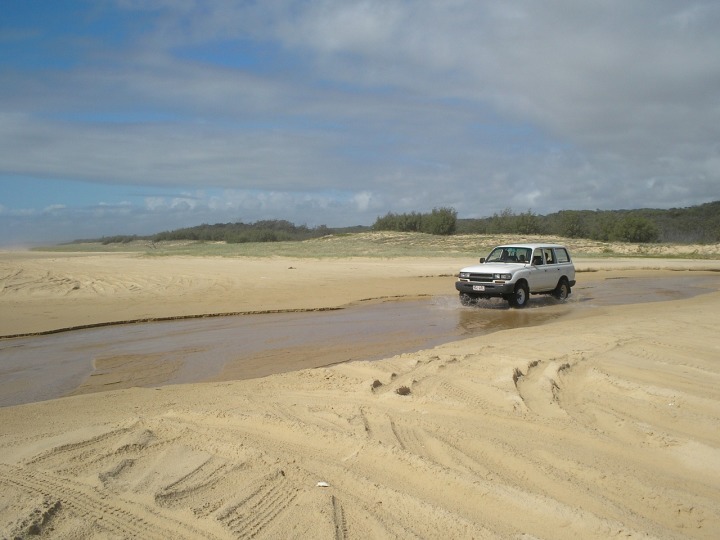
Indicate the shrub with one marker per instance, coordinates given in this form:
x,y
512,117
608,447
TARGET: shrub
x,y
636,229
441,221
572,224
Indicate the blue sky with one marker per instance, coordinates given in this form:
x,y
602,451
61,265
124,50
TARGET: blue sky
x,y
134,117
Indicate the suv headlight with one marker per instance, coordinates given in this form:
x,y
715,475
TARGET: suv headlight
x,y
502,276
464,274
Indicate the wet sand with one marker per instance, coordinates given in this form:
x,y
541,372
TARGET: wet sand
x,y
600,423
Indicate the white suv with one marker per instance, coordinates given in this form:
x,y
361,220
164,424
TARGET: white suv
x,y
516,271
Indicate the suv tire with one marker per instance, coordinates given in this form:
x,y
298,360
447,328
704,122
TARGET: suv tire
x,y
562,291
519,298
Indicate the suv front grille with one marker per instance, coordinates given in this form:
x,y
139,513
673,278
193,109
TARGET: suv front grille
x,y
481,278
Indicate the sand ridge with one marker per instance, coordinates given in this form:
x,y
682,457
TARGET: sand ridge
x,y
594,427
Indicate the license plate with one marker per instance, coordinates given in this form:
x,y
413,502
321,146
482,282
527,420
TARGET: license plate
x,y
478,287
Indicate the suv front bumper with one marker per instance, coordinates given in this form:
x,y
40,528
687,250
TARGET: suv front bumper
x,y
488,289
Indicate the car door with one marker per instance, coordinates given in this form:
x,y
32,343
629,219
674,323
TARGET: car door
x,y
545,272
562,257
553,270
537,276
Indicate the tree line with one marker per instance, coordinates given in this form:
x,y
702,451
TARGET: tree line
x,y
441,221
238,233
695,224
232,233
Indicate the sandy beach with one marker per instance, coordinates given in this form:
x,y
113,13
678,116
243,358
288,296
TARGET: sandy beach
x,y
596,426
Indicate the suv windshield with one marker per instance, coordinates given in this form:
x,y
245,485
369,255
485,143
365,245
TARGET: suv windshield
x,y
509,255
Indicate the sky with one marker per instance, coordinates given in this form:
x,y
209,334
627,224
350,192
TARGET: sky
x,y
136,117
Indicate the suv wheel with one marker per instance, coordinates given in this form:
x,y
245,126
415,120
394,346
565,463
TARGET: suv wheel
x,y
562,291
519,298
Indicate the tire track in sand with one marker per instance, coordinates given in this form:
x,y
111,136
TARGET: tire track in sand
x,y
260,507
119,518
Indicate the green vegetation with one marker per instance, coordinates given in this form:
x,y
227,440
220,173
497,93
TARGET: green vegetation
x,y
441,221
240,233
697,224
642,233
231,233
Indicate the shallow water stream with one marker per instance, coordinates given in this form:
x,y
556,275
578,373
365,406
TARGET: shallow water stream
x,y
239,347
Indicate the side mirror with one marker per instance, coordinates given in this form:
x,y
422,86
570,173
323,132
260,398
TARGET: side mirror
x,y
482,260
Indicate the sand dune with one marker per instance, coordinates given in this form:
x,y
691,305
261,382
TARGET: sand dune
x,y
601,426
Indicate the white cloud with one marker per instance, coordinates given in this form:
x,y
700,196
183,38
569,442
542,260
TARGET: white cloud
x,y
326,110
154,203
363,200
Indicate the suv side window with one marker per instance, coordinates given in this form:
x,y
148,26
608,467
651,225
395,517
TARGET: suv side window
x,y
549,256
537,258
561,255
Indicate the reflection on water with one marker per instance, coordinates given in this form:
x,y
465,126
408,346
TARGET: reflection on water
x,y
45,367
478,321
